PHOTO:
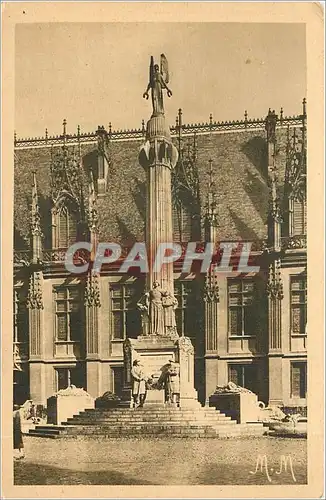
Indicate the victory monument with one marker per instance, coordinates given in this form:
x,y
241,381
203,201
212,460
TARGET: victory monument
x,y
159,342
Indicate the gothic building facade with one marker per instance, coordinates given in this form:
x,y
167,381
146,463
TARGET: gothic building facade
x,y
237,182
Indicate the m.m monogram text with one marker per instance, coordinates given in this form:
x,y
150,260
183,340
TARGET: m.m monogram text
x,y
262,466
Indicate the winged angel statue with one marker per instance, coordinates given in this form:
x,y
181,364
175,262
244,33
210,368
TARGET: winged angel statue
x,y
158,80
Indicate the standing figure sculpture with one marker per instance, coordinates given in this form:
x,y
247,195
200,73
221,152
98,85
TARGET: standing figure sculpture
x,y
170,304
158,80
156,312
139,379
143,307
170,380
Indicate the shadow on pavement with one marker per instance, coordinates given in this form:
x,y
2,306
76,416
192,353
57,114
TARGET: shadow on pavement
x,y
28,473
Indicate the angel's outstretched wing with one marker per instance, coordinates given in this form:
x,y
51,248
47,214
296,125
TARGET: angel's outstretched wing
x,y
151,71
164,68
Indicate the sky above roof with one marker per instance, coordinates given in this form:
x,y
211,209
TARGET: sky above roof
x,y
95,73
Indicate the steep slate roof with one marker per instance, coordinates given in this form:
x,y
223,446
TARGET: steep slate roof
x,y
239,162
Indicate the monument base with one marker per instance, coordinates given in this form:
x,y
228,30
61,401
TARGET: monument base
x,y
155,354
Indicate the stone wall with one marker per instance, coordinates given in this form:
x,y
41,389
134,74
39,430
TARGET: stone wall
x,y
239,173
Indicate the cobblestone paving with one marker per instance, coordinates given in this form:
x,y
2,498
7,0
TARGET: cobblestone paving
x,y
161,461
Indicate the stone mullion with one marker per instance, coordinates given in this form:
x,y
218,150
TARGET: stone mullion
x,y
92,340
35,333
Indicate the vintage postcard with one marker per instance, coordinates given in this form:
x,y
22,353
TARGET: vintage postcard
x,y
163,250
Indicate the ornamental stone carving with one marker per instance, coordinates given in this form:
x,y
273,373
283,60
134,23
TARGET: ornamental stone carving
x,y
185,345
211,289
34,297
92,292
274,285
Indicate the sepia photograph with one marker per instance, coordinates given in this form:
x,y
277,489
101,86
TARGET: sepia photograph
x,y
159,270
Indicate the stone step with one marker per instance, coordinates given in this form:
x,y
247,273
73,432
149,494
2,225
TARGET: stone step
x,y
48,431
43,434
143,418
50,427
157,412
131,423
161,430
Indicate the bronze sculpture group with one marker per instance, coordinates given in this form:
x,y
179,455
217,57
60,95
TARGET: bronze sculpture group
x,y
169,381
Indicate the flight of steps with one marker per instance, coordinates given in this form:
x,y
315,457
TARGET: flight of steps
x,y
150,421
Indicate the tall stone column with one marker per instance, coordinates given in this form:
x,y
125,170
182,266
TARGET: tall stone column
x,y
158,156
274,284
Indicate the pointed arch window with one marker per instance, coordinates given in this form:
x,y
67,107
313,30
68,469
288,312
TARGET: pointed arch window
x,y
182,229
298,216
65,224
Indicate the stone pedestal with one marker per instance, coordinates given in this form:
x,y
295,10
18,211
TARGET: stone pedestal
x,y
188,394
66,403
240,406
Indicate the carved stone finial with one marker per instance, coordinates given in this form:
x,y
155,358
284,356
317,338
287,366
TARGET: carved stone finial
x,y
35,210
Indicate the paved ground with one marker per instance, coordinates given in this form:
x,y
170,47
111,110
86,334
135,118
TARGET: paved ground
x,y
160,461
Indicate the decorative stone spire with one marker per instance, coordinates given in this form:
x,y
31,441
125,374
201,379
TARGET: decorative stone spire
x,y
36,231
210,213
274,215
93,216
